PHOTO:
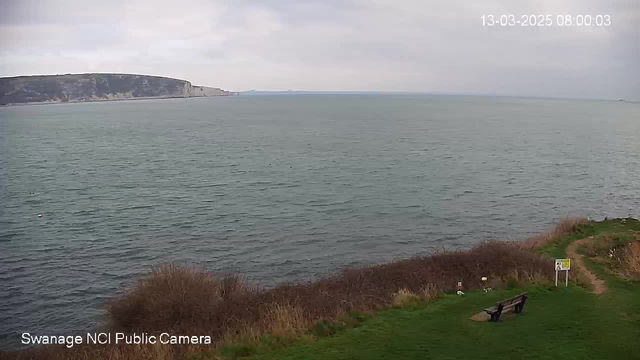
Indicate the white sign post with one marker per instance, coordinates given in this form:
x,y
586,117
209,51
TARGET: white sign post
x,y
563,265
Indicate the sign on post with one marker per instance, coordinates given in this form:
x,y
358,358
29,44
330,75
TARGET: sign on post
x,y
563,265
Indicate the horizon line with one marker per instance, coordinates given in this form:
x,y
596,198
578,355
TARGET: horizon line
x,y
337,92
382,92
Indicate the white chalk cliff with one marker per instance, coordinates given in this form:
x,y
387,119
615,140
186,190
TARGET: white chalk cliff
x,y
97,87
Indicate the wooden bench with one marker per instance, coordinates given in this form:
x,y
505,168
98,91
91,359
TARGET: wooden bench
x,y
517,302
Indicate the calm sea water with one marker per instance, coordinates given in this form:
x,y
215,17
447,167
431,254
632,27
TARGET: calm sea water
x,y
284,187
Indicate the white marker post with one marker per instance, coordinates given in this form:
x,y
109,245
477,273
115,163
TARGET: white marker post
x,y
563,265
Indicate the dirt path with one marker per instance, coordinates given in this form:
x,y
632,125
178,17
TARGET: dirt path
x,y
599,285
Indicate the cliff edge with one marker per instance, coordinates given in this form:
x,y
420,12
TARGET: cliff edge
x,y
97,87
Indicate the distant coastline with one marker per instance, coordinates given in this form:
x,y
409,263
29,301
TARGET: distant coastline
x,y
254,92
106,100
75,88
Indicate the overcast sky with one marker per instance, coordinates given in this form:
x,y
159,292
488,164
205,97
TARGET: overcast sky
x,y
378,45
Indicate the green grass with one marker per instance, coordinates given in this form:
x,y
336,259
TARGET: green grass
x,y
564,323
558,323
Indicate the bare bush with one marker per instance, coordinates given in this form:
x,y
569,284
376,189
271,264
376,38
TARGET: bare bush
x,y
564,227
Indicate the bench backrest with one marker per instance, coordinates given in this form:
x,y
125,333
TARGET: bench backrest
x,y
517,298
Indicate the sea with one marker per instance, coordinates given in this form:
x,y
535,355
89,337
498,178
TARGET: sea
x,y
285,187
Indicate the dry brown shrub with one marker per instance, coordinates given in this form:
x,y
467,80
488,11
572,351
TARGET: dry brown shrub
x,y
429,292
284,319
520,278
564,227
631,259
404,297
173,297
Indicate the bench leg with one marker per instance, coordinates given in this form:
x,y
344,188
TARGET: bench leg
x,y
495,317
520,307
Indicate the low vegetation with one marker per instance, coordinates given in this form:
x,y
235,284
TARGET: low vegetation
x,y
566,323
404,297
618,252
279,322
192,301
566,226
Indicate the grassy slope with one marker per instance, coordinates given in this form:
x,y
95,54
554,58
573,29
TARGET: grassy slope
x,y
563,323
558,249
